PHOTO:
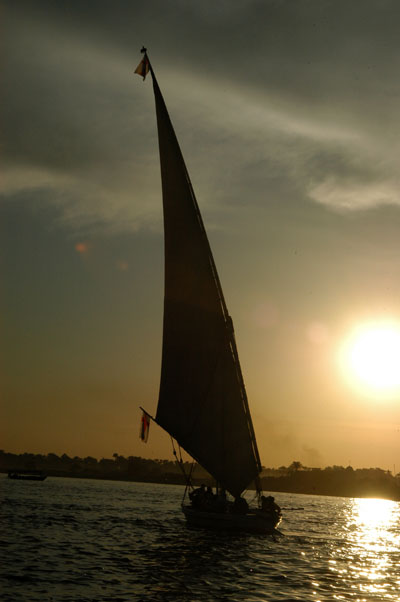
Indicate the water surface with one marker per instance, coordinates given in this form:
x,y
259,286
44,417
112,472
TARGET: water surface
x,y
88,540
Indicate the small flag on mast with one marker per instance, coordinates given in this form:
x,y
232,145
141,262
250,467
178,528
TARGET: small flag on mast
x,y
144,65
144,427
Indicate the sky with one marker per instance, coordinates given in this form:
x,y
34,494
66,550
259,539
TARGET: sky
x,y
287,116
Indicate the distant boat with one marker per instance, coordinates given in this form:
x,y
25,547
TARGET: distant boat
x,y
27,475
202,401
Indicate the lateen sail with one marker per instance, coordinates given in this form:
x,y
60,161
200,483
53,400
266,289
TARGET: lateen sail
x,y
202,401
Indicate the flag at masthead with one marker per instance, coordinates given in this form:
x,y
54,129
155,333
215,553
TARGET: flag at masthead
x,y
143,68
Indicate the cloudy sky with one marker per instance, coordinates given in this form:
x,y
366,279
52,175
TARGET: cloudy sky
x,y
287,115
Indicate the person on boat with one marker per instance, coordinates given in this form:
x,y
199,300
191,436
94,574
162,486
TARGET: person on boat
x,y
209,496
220,502
240,505
198,497
210,500
268,504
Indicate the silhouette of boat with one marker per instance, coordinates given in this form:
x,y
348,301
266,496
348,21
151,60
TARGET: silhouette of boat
x,y
202,400
27,475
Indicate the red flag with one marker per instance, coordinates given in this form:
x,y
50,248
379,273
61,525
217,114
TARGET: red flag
x,y
144,427
143,67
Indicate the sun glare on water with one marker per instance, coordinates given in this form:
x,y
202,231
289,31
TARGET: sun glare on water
x,y
371,358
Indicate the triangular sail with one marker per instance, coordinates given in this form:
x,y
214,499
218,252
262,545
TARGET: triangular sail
x,y
202,400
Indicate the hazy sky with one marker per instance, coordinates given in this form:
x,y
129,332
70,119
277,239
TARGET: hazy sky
x,y
287,115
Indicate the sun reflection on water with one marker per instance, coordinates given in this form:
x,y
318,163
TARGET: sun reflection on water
x,y
371,529
373,521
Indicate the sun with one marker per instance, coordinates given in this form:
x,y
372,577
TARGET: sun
x,y
371,358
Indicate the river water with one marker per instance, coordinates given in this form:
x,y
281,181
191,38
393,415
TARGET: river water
x,y
86,540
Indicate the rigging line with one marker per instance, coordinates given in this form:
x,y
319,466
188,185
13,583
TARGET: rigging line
x,y
191,472
173,448
174,451
189,484
227,319
180,464
245,401
180,453
189,481
255,497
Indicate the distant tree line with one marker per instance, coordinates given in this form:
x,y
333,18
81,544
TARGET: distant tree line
x,y
333,480
133,468
296,478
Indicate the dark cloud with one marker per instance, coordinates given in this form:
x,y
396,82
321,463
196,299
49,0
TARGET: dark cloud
x,y
293,99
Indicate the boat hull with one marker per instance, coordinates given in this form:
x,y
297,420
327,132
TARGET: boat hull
x,y
26,477
254,521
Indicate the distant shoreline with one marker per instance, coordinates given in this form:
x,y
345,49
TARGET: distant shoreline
x,y
331,481
296,484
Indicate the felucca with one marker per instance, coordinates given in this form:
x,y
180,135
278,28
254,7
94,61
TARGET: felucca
x,y
202,401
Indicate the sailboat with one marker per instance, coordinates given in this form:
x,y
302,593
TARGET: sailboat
x,y
202,399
